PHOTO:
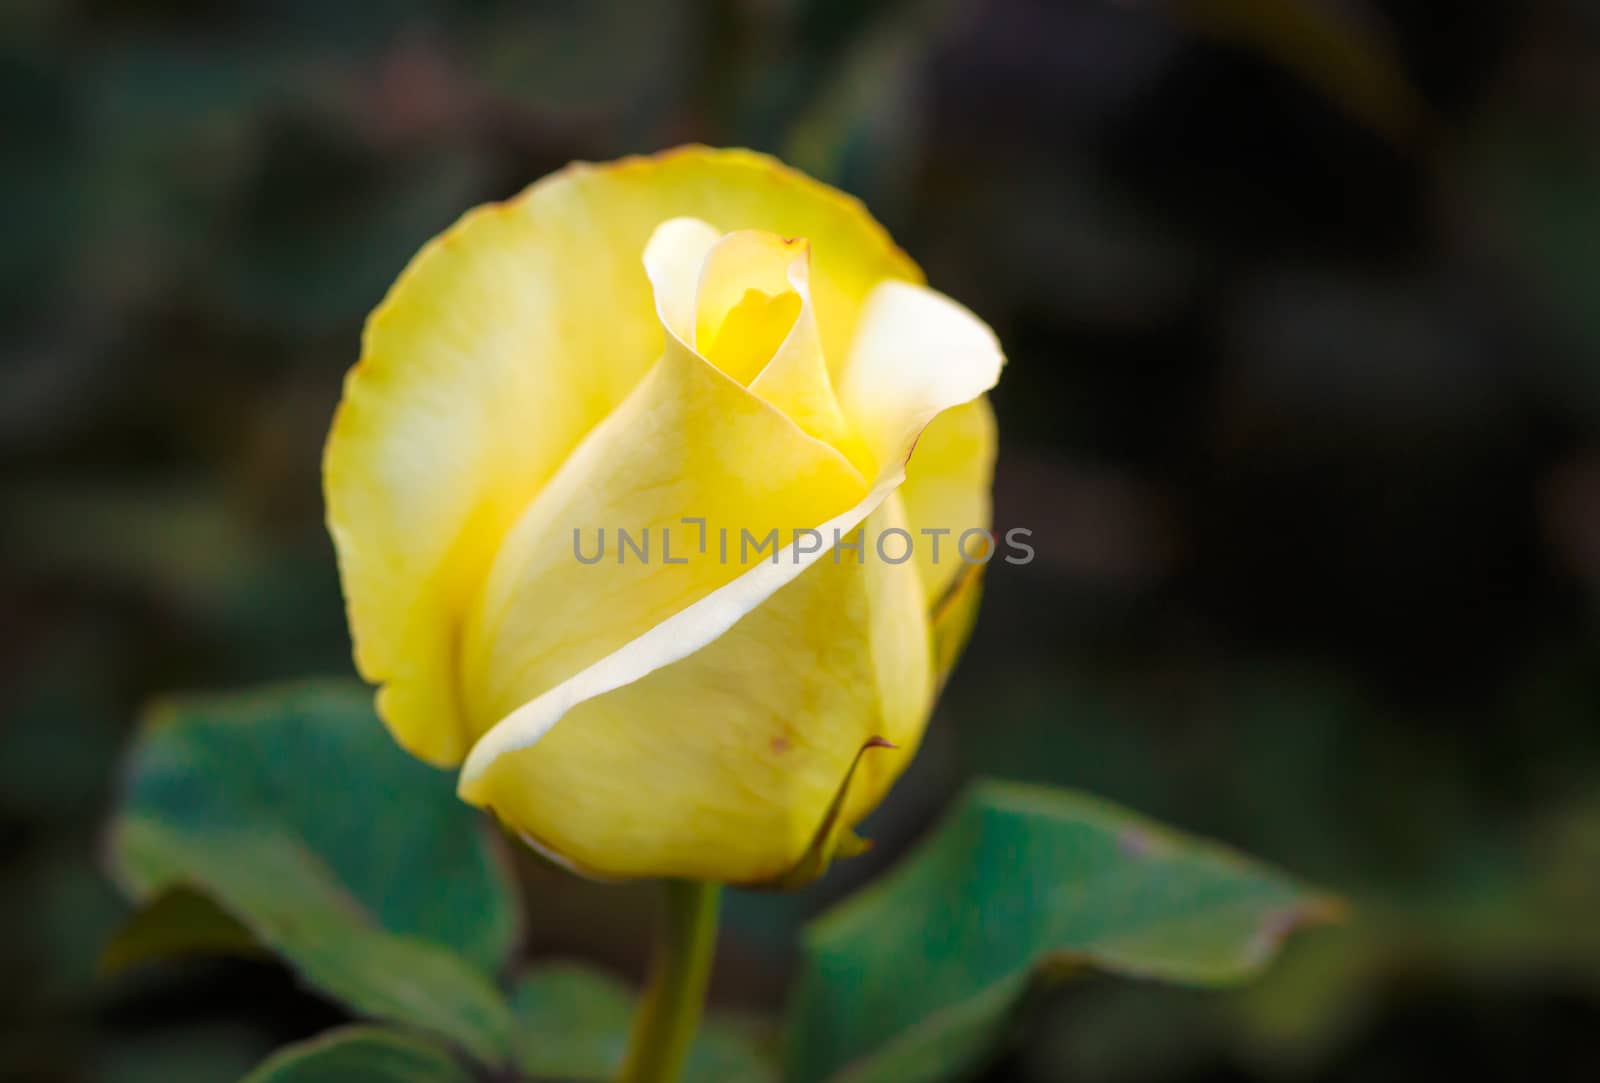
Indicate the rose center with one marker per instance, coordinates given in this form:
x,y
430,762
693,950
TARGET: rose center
x,y
749,334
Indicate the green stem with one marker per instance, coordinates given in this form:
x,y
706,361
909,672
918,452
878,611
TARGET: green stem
x,y
670,1013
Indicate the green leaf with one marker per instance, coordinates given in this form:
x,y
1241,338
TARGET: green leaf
x,y
574,1025
914,978
361,1055
291,905
293,810
310,766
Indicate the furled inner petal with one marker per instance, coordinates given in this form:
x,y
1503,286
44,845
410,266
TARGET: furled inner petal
x,y
743,302
796,379
747,300
751,332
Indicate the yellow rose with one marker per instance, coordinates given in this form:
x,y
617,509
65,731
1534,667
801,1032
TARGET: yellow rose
x,y
673,347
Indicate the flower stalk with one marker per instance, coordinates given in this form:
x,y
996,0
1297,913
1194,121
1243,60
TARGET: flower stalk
x,y
670,1013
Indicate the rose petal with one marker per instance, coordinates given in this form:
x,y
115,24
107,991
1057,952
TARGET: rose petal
x,y
722,765
947,488
916,354
505,342
704,283
688,442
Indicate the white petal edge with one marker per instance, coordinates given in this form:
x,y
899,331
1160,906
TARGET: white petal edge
x,y
905,365
672,260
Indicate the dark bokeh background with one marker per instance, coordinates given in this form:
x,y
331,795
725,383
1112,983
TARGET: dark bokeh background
x,y
1302,301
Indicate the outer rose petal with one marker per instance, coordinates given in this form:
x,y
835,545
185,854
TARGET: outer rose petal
x,y
506,341
906,328
748,298
722,765
908,361
953,616
948,484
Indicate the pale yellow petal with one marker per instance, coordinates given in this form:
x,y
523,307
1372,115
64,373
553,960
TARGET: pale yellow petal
x,y
743,302
953,616
947,493
751,332
796,378
672,259
916,353
505,342
904,667
465,401
737,190
688,442
747,300
722,764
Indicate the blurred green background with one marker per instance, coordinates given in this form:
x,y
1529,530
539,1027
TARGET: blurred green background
x,y
1302,302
